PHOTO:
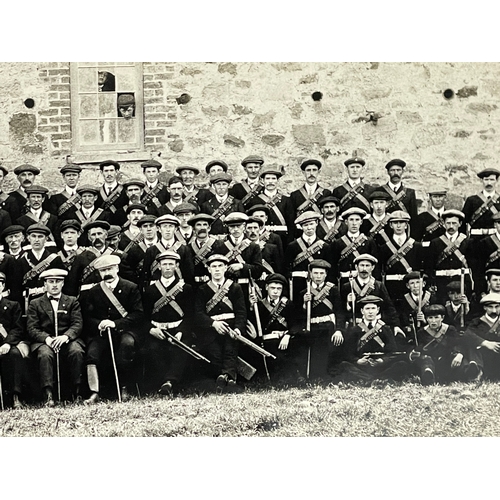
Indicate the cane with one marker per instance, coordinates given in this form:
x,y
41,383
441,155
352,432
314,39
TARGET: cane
x,y
1,392
114,364
58,373
308,329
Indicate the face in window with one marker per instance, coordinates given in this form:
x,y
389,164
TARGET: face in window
x,y
127,112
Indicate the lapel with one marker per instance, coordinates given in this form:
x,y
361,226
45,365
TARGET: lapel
x,y
47,306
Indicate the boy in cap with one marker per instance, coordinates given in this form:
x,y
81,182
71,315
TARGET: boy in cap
x,y
168,308
220,309
184,212
376,224
330,226
457,308
155,193
12,362
54,323
430,224
111,196
250,187
191,192
59,203
16,201
114,305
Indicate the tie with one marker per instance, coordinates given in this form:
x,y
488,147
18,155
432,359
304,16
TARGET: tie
x,y
370,326
53,297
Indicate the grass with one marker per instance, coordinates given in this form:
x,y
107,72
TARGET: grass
x,y
337,410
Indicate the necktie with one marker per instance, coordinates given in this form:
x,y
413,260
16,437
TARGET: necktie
x,y
370,326
53,297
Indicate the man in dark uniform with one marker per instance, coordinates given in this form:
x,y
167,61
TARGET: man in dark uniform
x,y
306,198
486,254
155,193
479,208
3,195
175,192
376,224
13,238
50,337
185,212
280,219
402,197
167,307
354,192
114,306
457,309
252,185
221,204
70,230
330,226
429,224
12,362
220,311
16,201
133,190
59,203
192,193
111,196
262,212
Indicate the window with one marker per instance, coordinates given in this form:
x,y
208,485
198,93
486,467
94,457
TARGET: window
x,y
107,108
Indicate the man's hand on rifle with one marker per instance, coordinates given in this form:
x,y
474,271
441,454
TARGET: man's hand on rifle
x,y
157,333
337,338
284,342
221,327
492,346
233,333
178,336
398,331
57,342
235,267
307,297
420,317
106,323
457,360
4,349
351,297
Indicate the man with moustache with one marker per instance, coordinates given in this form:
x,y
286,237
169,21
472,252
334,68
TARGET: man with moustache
x,y
191,193
430,224
175,191
111,196
59,203
155,193
13,238
251,186
201,246
262,212
15,204
133,190
132,235
330,226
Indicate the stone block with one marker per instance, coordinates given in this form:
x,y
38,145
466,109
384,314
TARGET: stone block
x,y
227,68
272,139
231,140
479,107
466,91
307,135
176,145
265,119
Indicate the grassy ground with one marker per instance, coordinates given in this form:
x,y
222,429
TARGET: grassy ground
x,y
338,410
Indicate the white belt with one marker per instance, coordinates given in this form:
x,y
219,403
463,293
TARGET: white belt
x,y
426,243
166,326
299,274
243,281
220,236
484,230
394,277
277,228
451,272
271,336
201,279
220,317
348,274
323,319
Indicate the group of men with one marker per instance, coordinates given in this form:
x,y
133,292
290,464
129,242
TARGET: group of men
x,y
147,282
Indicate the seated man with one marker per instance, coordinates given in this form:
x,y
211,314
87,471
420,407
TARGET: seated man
x,y
439,354
54,327
457,308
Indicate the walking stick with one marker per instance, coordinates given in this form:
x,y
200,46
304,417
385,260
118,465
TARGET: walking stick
x,y
1,392
462,293
353,300
308,328
114,364
58,373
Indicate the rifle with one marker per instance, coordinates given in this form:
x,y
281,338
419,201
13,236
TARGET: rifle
x,y
181,345
250,344
308,328
462,293
56,328
353,301
421,285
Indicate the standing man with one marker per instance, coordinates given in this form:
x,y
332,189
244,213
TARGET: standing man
x,y
306,198
487,254
112,306
402,197
132,235
354,192
376,224
192,193
133,191
330,226
70,231
13,238
59,203
185,212
480,208
201,246
175,190
47,342
16,201
429,224
111,195
252,185
155,193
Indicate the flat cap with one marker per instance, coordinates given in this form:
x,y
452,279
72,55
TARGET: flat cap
x,y
167,219
217,257
437,192
367,257
359,161
151,164
134,182
26,167
370,299
307,216
168,254
414,275
434,310
125,99
490,298
306,163
196,170
319,263
276,278
277,171
328,199
200,217
147,218
483,173
36,189
453,213
4,170
70,168
38,228
113,231
107,163
98,223
135,206
105,261
400,215
55,274
252,159
352,211
210,164
379,194
235,218
454,286
12,229
183,208
87,188
395,163
492,271
258,208
260,222
221,177
70,224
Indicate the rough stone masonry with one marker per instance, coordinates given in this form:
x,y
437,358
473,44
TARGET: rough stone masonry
x,y
441,118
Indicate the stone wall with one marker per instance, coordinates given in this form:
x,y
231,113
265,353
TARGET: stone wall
x,y
195,112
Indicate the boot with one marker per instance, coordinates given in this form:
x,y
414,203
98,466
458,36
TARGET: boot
x,y
126,396
49,398
16,402
77,397
93,380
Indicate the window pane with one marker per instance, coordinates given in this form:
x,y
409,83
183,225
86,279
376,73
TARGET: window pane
x,y
107,131
87,78
107,104
88,106
125,79
126,130
88,132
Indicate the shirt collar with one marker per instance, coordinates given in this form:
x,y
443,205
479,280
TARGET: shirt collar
x,y
486,194
166,282
70,191
69,249
395,187
113,284
111,186
221,200
353,183
151,186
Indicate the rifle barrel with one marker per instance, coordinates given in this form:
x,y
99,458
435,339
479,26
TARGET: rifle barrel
x,y
181,345
249,343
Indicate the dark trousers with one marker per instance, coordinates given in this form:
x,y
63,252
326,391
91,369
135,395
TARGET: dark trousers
x,y
441,366
70,358
124,347
13,370
223,354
